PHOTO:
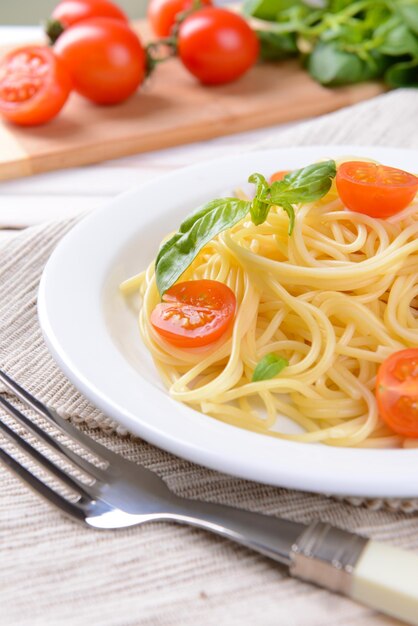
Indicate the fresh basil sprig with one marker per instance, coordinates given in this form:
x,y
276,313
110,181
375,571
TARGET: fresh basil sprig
x,y
342,41
304,185
269,366
196,231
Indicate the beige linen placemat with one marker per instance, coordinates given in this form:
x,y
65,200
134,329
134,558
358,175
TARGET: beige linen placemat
x,y
55,572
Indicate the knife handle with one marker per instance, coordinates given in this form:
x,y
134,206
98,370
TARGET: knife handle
x,y
375,574
386,579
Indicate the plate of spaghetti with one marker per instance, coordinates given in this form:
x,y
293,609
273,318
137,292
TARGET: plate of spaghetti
x,y
257,315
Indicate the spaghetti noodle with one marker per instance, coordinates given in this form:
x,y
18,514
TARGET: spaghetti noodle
x,y
335,299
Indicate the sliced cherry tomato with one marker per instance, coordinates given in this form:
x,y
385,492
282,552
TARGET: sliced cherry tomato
x,y
34,85
216,45
194,313
70,12
397,392
105,59
162,14
376,190
279,175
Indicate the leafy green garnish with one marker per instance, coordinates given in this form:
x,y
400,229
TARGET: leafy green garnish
x,y
196,231
269,366
331,65
275,46
342,41
304,185
403,74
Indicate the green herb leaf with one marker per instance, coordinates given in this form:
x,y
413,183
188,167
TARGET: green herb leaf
x,y
269,366
408,9
398,38
403,74
260,206
196,231
276,46
266,9
304,185
331,65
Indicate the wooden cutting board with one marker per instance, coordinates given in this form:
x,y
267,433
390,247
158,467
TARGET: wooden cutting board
x,y
172,108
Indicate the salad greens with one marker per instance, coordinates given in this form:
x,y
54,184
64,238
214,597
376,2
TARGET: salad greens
x,y
269,366
343,41
304,185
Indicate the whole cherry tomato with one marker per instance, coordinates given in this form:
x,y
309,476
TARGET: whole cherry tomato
x,y
34,85
162,14
376,190
105,59
397,392
216,45
194,313
70,12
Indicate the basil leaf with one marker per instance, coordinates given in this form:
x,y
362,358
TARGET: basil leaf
x,y
331,65
276,46
269,366
196,231
286,206
266,9
398,38
409,11
304,185
403,74
260,205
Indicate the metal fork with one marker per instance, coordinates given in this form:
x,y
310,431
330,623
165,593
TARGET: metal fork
x,y
122,493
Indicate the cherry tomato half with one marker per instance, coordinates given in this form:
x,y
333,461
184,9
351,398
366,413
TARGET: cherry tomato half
x,y
376,190
279,175
34,85
105,59
162,14
216,45
194,313
397,392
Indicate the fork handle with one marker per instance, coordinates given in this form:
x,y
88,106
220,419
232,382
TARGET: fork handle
x,y
377,575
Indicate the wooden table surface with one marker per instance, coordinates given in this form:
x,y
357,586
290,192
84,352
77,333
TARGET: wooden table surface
x,y
29,201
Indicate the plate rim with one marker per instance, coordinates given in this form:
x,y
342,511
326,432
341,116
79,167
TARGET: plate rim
x,y
191,449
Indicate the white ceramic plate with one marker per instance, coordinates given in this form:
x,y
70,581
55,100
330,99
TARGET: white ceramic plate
x,y
93,335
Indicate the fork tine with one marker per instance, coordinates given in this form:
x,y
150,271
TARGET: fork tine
x,y
16,439
38,432
62,425
71,509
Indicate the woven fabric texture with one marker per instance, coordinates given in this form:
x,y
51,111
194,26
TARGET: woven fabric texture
x,y
55,572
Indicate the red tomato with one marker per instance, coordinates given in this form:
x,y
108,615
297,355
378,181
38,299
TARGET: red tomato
x,y
162,14
194,313
105,58
69,12
34,85
216,45
397,392
279,175
376,190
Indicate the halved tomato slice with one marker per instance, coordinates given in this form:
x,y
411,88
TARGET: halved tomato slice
x,y
397,392
373,189
194,313
34,85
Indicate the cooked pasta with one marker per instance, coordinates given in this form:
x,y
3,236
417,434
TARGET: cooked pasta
x,y
335,299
